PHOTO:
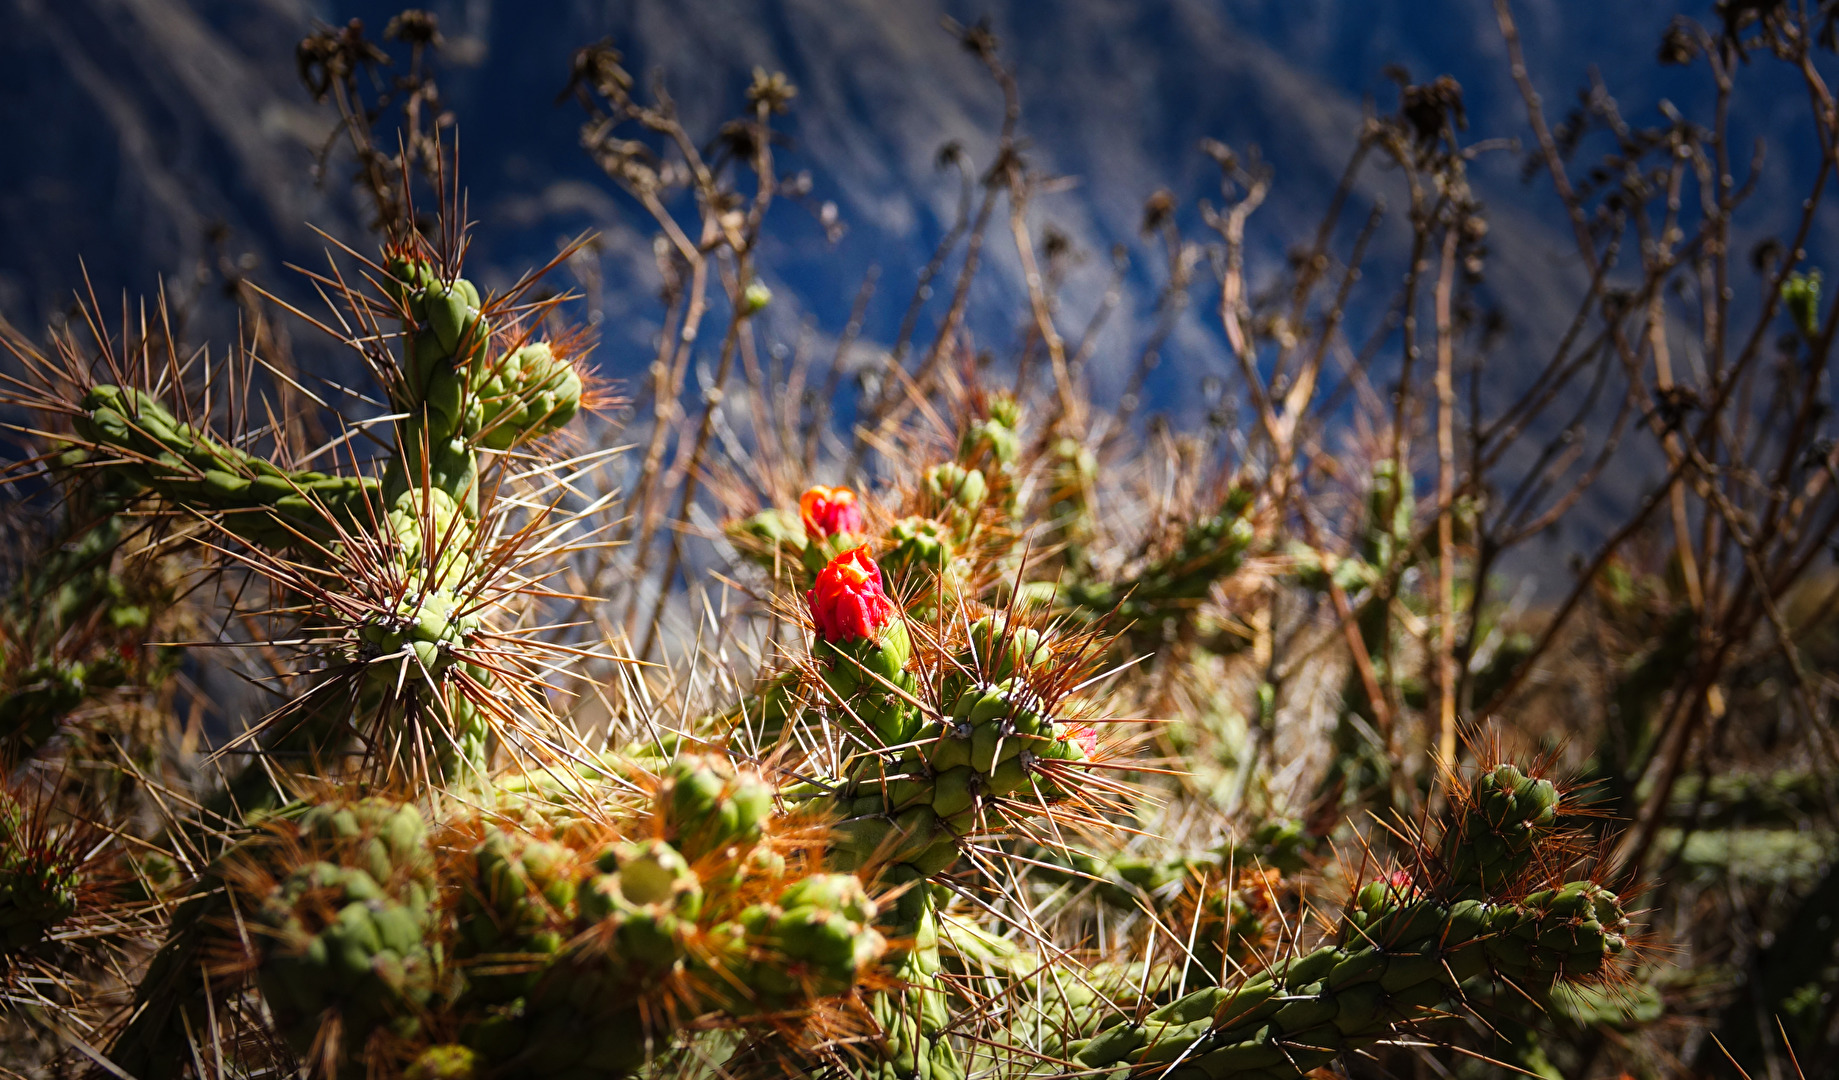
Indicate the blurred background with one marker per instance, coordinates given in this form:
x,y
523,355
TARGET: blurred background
x,y
169,142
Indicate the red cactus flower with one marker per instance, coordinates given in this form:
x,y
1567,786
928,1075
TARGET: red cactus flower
x,y
848,603
829,511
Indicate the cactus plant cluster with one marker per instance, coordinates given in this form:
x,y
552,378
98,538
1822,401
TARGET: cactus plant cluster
x,y
478,832
795,882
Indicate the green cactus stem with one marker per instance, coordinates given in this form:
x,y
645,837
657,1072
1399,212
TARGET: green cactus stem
x,y
188,468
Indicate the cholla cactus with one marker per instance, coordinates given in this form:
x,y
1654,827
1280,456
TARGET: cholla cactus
x,y
434,874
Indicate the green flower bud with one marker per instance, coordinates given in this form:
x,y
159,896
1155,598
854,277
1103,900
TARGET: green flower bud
x,y
453,315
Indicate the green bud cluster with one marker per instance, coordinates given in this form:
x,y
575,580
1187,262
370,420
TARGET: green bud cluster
x,y
995,435
772,538
918,543
814,940
560,949
350,930
647,897
711,808
524,395
516,912
1492,841
958,492
38,880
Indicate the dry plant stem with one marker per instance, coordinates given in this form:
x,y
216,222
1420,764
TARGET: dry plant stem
x,y
1446,508
692,476
1350,628
740,241
1072,413
669,370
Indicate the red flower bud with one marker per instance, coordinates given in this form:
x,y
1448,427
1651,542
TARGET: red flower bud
x,y
847,603
829,511
1085,737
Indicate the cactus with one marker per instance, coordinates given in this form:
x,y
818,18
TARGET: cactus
x,y
40,878
1404,946
1160,601
898,855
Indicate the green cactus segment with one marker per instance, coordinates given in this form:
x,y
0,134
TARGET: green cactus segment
x,y
917,543
990,745
75,628
1400,957
869,677
1172,586
42,695
913,1017
430,625
815,940
526,394
38,881
430,522
909,807
999,648
516,912
427,462
911,813
995,436
349,933
185,466
1496,833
